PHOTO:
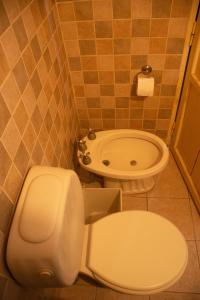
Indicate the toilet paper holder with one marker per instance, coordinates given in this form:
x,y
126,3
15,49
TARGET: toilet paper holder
x,y
146,70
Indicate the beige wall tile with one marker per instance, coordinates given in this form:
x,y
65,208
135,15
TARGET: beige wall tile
x,y
105,62
86,30
102,9
104,46
69,30
141,9
177,27
121,28
66,11
159,27
83,10
139,46
4,68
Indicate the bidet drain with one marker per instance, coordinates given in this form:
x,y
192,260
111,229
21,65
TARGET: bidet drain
x,y
133,162
106,162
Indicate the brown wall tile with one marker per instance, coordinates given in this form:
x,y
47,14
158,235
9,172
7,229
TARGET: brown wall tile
x,y
122,46
181,8
121,9
140,27
4,21
90,77
175,45
106,77
20,75
122,76
103,29
87,47
107,90
157,45
161,9
74,63
172,61
102,9
20,33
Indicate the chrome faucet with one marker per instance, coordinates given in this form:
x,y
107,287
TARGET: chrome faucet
x,y
86,159
91,134
82,147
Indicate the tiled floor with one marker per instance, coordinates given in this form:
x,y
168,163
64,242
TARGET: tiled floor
x,y
171,200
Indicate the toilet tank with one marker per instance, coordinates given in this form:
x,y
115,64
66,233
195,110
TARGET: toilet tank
x,y
45,241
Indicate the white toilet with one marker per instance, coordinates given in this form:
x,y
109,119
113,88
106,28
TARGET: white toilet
x,y
134,252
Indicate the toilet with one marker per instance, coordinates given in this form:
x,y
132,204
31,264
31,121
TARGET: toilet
x,y
133,252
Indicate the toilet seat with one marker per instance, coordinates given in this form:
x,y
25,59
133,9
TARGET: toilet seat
x,y
136,252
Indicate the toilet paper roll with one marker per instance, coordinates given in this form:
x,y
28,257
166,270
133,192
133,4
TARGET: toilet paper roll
x,y
145,86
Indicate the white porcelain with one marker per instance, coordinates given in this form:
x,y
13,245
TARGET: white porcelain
x,y
135,158
134,252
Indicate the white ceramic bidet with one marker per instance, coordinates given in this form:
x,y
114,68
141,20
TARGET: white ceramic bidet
x,y
126,158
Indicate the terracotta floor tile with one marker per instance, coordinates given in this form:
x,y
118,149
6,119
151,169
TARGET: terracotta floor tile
x,y
190,281
198,249
177,210
169,183
108,294
74,292
196,220
175,296
134,203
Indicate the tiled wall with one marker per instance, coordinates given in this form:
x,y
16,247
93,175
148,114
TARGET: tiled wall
x,y
107,42
38,121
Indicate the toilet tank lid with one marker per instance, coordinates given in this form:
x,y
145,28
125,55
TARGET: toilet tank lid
x,y
40,208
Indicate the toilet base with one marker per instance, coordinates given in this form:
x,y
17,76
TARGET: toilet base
x,y
130,186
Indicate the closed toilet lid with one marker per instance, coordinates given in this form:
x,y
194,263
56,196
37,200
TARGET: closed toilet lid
x,y
137,251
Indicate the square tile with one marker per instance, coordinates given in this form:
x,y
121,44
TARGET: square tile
x,y
189,282
133,202
177,210
102,9
196,220
83,10
108,294
4,21
121,9
103,29
169,183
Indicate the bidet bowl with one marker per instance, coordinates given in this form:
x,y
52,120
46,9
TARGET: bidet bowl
x,y
126,155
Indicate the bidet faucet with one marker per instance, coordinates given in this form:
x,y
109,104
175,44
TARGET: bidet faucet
x,y
86,159
91,134
82,147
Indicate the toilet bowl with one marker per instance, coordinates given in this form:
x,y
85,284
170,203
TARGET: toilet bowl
x,y
127,159
134,252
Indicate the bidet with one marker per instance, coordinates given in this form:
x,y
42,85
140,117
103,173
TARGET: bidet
x,y
127,159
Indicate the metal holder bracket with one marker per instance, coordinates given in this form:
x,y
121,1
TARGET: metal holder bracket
x,y
146,70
